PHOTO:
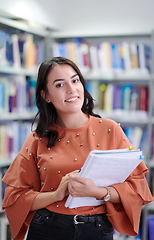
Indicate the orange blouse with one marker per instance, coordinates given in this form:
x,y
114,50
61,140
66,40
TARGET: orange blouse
x,y
37,169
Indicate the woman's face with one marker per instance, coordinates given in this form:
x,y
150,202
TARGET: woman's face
x,y
65,89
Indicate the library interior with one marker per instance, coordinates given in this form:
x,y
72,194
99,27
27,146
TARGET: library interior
x,y
112,43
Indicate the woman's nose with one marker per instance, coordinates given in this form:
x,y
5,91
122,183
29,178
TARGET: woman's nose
x,y
70,88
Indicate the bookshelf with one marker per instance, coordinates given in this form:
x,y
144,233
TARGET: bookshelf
x,y
22,49
119,74
113,75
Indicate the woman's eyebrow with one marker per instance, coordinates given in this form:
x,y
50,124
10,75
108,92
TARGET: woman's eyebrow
x,y
74,75
62,79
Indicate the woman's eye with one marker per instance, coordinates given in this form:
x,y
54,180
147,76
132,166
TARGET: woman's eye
x,y
59,85
76,80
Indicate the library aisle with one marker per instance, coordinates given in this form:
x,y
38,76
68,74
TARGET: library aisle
x,y
118,66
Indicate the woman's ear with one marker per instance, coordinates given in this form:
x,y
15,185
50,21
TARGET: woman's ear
x,y
44,96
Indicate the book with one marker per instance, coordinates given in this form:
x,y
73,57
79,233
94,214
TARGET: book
x,y
108,97
85,55
143,98
94,59
134,55
16,53
106,167
71,47
150,221
115,56
148,56
117,97
102,89
126,55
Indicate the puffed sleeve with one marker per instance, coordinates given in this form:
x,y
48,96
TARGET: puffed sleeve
x,y
134,193
22,186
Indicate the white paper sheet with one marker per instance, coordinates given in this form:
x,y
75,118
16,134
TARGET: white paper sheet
x,y
106,168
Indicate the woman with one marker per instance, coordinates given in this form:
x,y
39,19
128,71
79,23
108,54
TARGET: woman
x,y
46,169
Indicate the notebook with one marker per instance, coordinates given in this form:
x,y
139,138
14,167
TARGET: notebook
x,y
106,167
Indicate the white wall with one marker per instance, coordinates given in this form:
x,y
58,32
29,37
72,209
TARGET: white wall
x,y
87,17
33,10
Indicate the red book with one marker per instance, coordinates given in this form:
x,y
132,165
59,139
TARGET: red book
x,y
143,98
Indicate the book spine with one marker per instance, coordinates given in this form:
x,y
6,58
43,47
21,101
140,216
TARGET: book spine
x,y
104,57
10,142
15,94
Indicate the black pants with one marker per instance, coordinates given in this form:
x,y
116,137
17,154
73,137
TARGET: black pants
x,y
47,225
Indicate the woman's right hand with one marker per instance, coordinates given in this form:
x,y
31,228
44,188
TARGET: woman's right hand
x,y
62,190
44,199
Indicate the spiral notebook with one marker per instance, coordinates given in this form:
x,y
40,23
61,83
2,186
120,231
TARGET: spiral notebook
x,y
106,167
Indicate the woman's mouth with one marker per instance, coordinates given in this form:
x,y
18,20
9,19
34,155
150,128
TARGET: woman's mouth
x,y
71,99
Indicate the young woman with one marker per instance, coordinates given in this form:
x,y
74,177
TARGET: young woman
x,y
45,170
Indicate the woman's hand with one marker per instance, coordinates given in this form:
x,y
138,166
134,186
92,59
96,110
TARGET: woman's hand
x,y
62,190
44,199
85,187
81,187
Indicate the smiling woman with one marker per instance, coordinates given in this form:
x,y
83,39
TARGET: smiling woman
x,y
60,80
45,171
65,91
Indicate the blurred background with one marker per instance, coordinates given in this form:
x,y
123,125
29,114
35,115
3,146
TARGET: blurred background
x,y
111,41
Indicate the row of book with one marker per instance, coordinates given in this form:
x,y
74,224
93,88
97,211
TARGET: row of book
x,y
21,50
105,57
17,94
12,137
150,231
126,97
137,136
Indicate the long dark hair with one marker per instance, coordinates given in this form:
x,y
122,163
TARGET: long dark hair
x,y
47,113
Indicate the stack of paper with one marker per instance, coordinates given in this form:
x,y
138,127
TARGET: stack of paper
x,y
106,167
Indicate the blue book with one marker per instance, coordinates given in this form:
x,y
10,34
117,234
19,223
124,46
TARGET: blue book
x,y
150,220
115,56
89,87
21,44
63,49
1,96
9,52
147,54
